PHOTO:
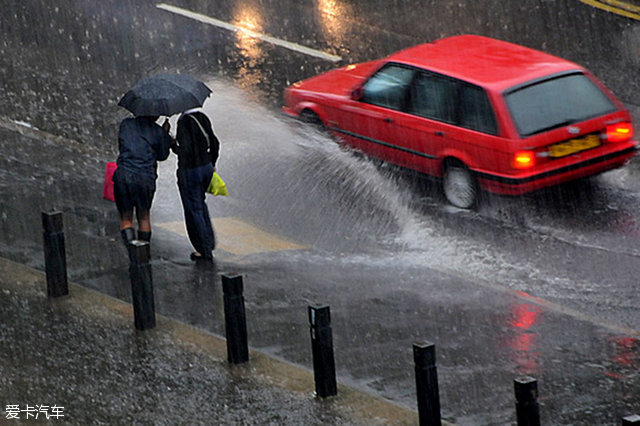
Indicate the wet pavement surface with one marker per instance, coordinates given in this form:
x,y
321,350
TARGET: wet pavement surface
x,y
542,285
77,360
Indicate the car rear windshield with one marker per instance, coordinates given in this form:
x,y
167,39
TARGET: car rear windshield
x,y
556,102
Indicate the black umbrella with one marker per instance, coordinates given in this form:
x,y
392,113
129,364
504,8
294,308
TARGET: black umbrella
x,y
164,94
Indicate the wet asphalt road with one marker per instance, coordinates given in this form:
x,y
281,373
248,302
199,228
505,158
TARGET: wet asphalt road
x,y
544,285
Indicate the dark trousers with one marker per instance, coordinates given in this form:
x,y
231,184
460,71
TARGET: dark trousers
x,y
193,184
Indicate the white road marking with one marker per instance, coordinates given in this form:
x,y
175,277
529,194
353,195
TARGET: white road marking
x,y
24,124
235,28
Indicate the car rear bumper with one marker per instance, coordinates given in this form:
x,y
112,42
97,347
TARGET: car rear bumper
x,y
520,185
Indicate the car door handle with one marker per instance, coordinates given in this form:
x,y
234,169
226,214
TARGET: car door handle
x,y
388,120
439,133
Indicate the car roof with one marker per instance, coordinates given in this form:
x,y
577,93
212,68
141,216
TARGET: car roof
x,y
483,61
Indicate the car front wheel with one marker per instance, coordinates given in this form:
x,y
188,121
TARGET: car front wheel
x,y
310,117
459,186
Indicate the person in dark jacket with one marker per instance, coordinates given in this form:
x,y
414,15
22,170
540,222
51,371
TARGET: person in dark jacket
x,y
197,148
142,143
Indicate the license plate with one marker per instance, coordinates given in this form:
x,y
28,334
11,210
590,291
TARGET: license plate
x,y
574,145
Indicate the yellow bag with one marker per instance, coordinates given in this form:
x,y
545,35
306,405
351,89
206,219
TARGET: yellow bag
x,y
217,185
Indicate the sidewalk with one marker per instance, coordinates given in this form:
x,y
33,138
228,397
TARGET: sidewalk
x,y
80,357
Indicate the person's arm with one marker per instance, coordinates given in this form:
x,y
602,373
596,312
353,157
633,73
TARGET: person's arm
x,y
177,147
164,145
213,141
215,149
174,146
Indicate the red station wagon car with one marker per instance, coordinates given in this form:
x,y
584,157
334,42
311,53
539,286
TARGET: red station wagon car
x,y
474,111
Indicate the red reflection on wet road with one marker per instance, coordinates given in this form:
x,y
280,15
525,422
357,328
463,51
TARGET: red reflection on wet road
x,y
523,342
524,316
625,358
627,352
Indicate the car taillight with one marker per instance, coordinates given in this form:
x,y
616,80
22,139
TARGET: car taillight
x,y
524,159
619,132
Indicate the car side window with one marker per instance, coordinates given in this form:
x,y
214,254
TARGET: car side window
x,y
451,101
433,97
388,87
475,110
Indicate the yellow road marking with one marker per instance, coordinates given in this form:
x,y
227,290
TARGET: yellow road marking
x,y
240,238
622,5
616,6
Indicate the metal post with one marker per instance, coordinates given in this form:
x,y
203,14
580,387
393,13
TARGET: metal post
x,y
55,258
424,358
141,285
631,420
235,323
527,410
324,367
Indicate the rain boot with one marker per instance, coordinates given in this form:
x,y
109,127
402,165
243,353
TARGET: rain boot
x,y
144,236
128,235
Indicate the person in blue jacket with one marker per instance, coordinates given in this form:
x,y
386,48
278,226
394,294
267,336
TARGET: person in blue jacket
x,y
197,148
142,143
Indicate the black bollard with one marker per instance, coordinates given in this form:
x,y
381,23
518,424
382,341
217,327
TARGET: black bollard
x,y
527,410
141,285
424,358
235,322
55,258
631,420
324,367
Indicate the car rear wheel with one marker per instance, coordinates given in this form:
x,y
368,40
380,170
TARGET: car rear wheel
x,y
459,186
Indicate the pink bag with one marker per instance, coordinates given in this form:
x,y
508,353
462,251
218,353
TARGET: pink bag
x,y
107,190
